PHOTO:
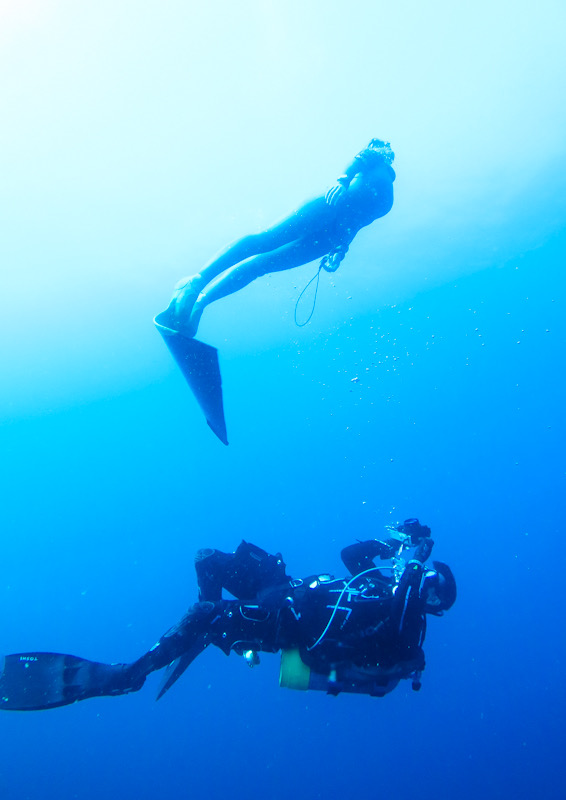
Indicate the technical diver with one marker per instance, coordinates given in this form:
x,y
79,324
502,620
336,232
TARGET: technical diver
x,y
358,634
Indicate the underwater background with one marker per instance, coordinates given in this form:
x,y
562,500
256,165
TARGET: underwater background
x,y
137,138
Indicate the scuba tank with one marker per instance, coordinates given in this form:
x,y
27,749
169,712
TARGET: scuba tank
x,y
375,681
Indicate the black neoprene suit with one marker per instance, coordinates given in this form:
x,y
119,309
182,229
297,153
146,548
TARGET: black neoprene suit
x,y
370,624
359,634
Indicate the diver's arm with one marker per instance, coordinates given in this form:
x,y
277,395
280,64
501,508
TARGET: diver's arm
x,y
355,166
343,181
407,609
359,557
407,603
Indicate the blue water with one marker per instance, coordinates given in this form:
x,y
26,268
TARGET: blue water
x,y
430,383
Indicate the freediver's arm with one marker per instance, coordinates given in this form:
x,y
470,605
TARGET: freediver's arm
x,y
343,181
365,161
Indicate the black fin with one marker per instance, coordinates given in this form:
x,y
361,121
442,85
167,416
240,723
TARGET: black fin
x,y
36,681
177,667
199,364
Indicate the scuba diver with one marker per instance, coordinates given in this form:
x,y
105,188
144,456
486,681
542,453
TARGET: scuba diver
x,y
322,228
360,634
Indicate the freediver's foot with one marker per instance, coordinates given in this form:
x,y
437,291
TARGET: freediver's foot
x,y
186,326
184,298
189,326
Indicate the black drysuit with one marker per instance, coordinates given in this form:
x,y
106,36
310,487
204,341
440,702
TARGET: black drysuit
x,y
364,633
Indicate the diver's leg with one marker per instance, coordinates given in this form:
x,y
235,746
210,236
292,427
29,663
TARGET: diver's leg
x,y
35,681
253,570
190,634
244,573
244,626
210,566
311,215
289,256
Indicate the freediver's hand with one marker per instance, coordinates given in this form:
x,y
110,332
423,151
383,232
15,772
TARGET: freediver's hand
x,y
335,258
331,262
335,192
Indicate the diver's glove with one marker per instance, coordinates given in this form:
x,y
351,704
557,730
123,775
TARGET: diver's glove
x,y
387,549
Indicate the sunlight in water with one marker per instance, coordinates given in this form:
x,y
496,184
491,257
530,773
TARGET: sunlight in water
x,y
18,13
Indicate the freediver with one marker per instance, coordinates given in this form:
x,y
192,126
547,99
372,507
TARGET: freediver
x,y
359,634
322,228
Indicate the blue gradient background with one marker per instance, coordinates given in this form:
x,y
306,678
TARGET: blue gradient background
x,y
136,139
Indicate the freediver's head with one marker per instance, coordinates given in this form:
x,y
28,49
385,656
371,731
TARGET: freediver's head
x,y
438,589
383,148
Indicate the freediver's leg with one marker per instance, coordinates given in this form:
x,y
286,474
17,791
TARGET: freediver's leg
x,y
312,215
315,214
289,256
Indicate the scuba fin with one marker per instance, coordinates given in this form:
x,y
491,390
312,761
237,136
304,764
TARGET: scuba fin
x,y
36,681
177,667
